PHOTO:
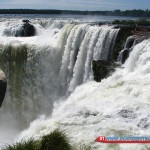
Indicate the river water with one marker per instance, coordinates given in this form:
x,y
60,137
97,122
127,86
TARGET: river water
x,y
50,82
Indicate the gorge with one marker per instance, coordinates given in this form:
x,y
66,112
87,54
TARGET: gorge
x,y
51,85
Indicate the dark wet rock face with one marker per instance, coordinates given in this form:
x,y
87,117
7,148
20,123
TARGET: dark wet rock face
x,y
144,123
122,36
126,113
125,55
130,43
3,86
127,38
26,30
102,69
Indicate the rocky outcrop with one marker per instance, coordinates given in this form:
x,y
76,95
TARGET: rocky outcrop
x,y
130,43
26,30
128,36
102,69
124,55
122,36
3,86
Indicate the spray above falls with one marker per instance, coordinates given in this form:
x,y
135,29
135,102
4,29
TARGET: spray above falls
x,y
50,79
118,106
49,66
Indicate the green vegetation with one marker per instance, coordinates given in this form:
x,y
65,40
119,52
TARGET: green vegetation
x,y
24,145
133,13
124,22
56,140
141,21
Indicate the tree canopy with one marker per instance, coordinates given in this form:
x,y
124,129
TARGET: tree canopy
x,y
132,13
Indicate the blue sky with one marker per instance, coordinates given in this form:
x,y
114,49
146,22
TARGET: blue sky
x,y
76,4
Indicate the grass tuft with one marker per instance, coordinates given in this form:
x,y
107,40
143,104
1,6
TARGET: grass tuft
x,y
24,145
55,141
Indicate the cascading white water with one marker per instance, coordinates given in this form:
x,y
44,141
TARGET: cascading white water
x,y
118,106
47,67
82,56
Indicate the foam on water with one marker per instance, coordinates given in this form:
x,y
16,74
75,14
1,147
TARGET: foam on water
x,y
46,68
118,106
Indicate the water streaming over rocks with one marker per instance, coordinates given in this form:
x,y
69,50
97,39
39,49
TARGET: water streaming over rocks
x,y
118,106
50,78
46,68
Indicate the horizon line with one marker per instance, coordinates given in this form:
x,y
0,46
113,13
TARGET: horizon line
x,y
72,10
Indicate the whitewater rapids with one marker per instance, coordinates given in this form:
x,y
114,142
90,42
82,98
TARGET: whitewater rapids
x,y
45,69
118,106
50,78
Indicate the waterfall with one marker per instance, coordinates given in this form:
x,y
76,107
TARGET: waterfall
x,y
46,68
118,106
76,63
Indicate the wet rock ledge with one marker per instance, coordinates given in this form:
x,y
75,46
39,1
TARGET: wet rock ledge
x,y
26,30
128,37
102,69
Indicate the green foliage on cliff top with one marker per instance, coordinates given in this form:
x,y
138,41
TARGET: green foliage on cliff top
x,y
141,21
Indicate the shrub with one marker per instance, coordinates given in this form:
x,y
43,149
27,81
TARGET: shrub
x,y
141,21
24,145
144,22
55,141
